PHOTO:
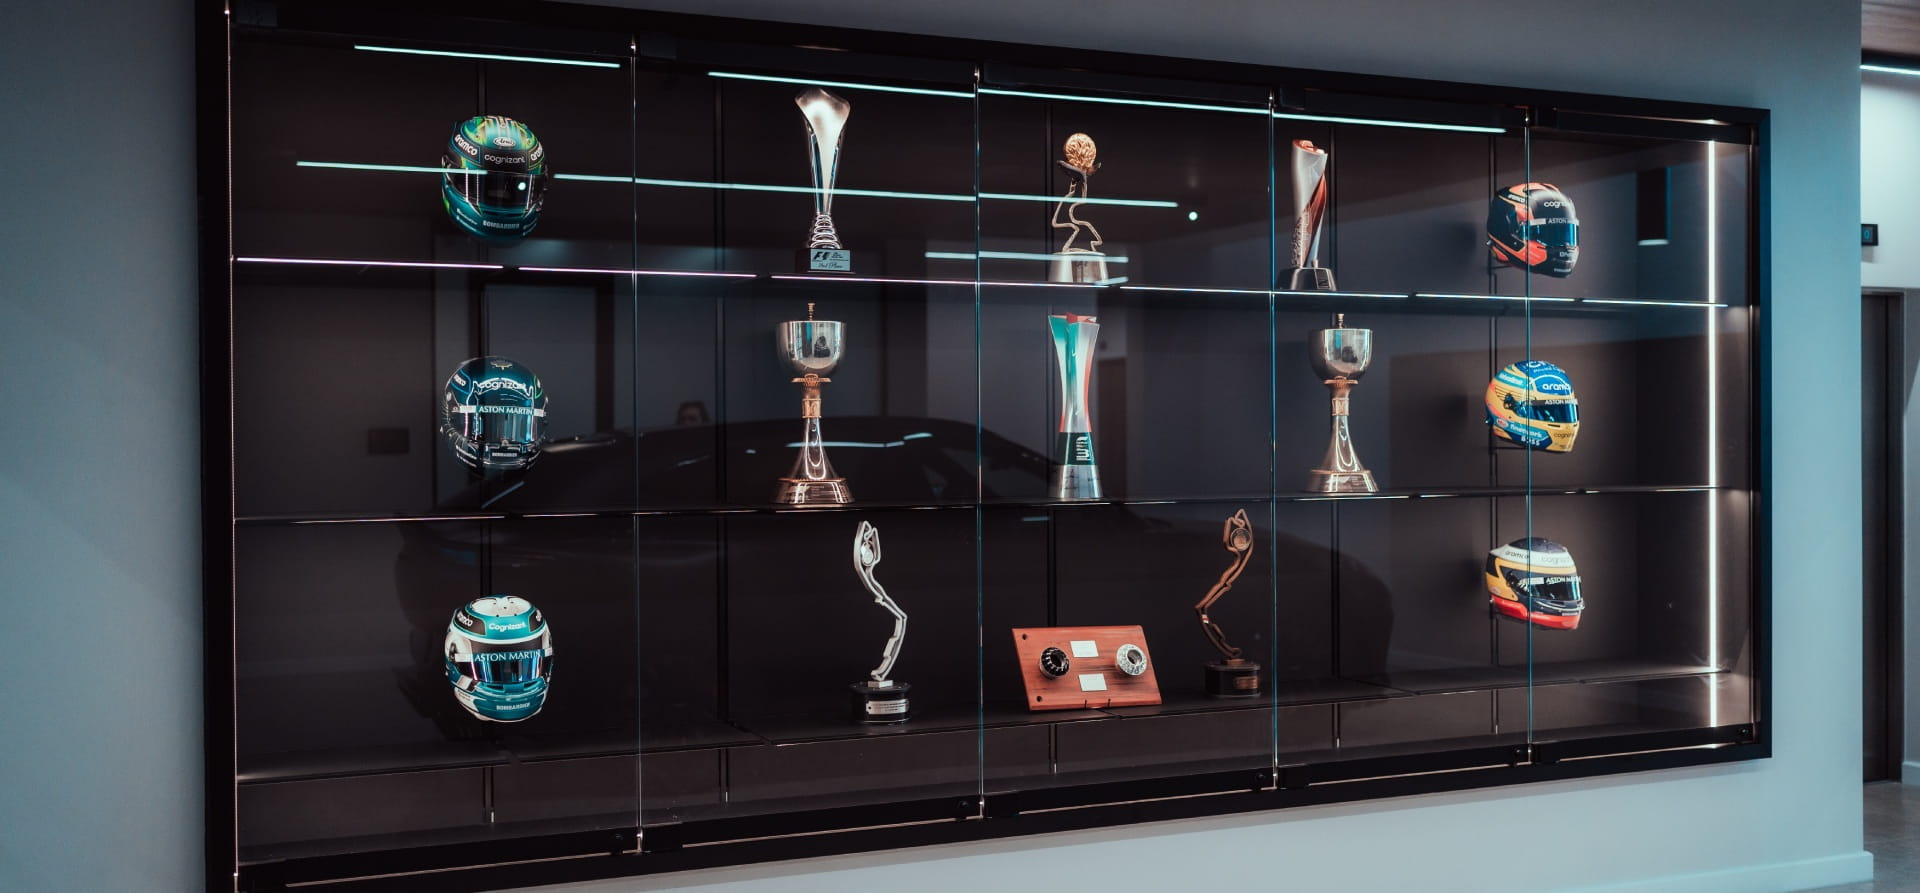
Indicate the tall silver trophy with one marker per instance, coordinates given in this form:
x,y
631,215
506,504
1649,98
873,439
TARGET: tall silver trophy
x,y
826,115
1309,218
1079,258
879,699
1340,356
811,348
1075,476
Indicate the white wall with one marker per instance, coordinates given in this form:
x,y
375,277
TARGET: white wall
x,y
97,501
1890,178
1787,823
99,490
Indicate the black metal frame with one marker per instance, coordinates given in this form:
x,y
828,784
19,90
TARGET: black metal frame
x,y
633,851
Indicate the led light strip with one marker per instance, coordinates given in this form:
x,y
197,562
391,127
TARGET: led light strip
x,y
1195,291
367,263
1890,69
1007,255
1111,100
487,57
1121,202
1451,296
400,168
846,85
1388,122
1287,293
697,273
1706,304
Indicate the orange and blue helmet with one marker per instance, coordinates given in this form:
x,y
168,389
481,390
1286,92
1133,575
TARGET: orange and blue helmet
x,y
1532,404
1533,226
1534,580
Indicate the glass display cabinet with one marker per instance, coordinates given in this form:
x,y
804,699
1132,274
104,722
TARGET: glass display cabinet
x,y
656,442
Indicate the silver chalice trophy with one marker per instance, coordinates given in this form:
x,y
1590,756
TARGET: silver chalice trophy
x,y
811,348
1074,262
1075,476
1309,218
826,116
1232,676
879,698
1340,356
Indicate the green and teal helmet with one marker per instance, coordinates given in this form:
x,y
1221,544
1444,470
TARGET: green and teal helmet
x,y
496,178
494,414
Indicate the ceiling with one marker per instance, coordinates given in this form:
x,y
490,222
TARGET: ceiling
x,y
1890,26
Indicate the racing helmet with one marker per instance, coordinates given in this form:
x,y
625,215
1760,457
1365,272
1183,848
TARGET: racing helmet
x,y
496,178
1533,226
1532,403
1534,580
494,413
499,655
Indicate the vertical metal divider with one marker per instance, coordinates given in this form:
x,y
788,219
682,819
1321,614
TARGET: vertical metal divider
x,y
1273,448
1526,145
1493,453
633,520
979,491
722,652
219,558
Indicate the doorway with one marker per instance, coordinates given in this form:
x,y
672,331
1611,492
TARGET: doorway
x,y
1883,412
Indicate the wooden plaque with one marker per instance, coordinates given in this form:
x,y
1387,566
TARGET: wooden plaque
x,y
1093,679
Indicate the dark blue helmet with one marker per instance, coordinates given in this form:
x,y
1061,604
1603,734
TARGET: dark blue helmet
x,y
494,414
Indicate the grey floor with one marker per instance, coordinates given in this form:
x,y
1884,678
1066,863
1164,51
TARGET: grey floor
x,y
1893,837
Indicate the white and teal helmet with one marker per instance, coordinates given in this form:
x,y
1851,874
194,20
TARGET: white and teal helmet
x,y
496,178
499,655
494,414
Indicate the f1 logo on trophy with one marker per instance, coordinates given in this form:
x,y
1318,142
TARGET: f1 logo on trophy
x,y
1309,218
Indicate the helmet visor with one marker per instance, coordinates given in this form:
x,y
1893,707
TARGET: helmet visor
x,y
1554,594
490,423
515,664
505,192
1550,410
1554,235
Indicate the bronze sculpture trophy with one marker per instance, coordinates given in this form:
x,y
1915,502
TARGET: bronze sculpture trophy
x,y
1233,676
879,699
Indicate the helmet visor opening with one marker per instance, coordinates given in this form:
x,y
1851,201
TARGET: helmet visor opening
x,y
502,191
1549,410
1543,591
1554,235
488,423
516,666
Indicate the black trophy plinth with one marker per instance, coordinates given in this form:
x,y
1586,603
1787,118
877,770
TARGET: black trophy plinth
x,y
1233,679
875,702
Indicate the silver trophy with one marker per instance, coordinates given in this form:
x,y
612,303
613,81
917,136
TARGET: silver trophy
x,y
1309,218
1340,356
1076,262
826,116
879,698
811,348
1075,476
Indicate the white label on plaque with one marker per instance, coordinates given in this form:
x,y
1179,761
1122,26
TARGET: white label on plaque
x,y
1084,648
886,708
829,260
1093,682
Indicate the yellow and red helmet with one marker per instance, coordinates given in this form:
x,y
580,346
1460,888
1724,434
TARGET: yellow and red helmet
x,y
1533,580
1532,404
1533,226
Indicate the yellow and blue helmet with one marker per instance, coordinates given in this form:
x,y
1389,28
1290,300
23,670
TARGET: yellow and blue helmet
x,y
499,656
1532,403
1534,580
496,178
494,414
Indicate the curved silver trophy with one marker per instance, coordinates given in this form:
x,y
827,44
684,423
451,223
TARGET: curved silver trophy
x,y
811,348
1340,356
1309,218
1073,262
879,699
1075,476
826,115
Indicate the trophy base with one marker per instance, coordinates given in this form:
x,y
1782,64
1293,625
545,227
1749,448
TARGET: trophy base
x,y
1233,679
1319,481
831,491
1083,267
873,702
825,260
1310,279
1076,482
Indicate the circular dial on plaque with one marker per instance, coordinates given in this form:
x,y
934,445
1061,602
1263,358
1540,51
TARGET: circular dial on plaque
x,y
1054,663
1131,659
